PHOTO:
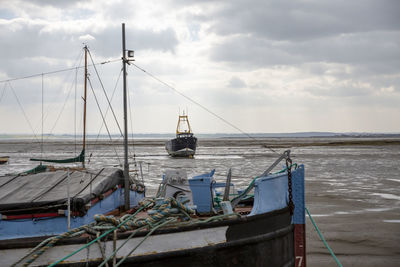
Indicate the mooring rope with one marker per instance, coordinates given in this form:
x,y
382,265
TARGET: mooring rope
x,y
323,239
161,212
164,212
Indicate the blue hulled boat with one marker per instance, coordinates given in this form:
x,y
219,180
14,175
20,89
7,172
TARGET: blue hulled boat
x,y
77,217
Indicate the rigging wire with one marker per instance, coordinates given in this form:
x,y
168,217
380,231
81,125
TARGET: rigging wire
x,y
76,84
62,109
101,113
108,107
23,111
51,107
4,92
56,71
69,92
41,147
200,105
131,122
105,93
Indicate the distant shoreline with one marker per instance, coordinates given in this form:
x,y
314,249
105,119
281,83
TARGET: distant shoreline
x,y
163,136
272,142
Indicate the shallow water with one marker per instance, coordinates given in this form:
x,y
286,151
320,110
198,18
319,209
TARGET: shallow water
x,y
367,173
351,191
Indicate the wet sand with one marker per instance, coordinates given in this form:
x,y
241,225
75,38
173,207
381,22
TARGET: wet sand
x,y
358,232
352,184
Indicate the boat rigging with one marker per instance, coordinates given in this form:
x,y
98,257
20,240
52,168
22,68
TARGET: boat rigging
x,y
186,223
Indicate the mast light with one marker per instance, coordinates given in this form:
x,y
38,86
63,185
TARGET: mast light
x,y
131,53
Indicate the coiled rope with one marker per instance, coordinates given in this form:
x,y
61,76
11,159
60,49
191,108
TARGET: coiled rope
x,y
164,212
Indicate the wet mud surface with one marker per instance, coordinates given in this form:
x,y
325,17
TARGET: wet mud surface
x,y
352,184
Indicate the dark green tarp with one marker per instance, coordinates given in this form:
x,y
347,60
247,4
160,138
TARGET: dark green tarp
x,y
37,169
80,158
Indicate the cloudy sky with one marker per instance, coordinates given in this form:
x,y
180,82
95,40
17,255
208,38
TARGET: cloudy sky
x,y
264,66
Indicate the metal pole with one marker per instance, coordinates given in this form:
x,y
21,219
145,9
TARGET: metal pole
x,y
141,174
69,202
126,164
84,106
41,148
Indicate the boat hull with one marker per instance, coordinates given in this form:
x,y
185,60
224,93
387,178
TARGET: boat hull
x,y
259,240
182,146
268,236
3,160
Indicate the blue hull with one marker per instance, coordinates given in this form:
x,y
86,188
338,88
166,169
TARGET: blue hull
x,y
10,229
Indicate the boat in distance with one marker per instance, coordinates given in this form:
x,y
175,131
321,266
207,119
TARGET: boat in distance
x,y
4,159
185,143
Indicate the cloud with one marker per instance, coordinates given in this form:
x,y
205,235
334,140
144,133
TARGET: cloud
x,y
302,20
26,40
86,37
236,82
236,57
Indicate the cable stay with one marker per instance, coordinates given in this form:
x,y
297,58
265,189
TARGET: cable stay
x,y
81,156
4,92
23,112
51,106
202,106
56,71
102,116
102,86
108,107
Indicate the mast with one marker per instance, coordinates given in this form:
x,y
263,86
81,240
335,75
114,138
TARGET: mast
x,y
126,164
84,106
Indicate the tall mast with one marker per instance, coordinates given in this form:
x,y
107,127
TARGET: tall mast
x,y
126,164
84,106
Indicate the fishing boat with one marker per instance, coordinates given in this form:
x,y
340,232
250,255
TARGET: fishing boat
x,y
193,221
185,143
187,225
4,160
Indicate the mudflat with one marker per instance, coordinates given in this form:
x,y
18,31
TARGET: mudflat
x,y
352,184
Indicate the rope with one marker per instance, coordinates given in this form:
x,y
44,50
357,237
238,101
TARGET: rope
x,y
23,111
104,120
115,251
127,224
152,231
203,107
162,215
4,91
108,108
323,239
105,93
163,212
101,236
56,71
52,106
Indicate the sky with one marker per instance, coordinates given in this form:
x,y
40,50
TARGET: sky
x,y
262,66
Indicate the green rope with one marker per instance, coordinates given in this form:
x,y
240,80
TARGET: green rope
x,y
168,220
323,239
95,240
248,189
286,168
115,251
163,211
109,223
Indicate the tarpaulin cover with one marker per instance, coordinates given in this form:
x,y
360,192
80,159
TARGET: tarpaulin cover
x,y
51,188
